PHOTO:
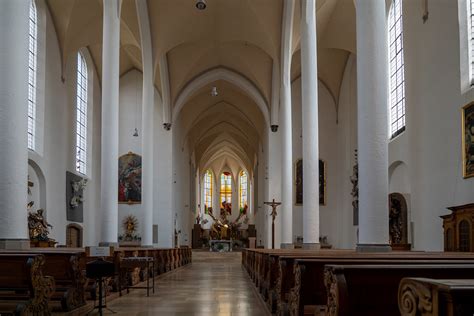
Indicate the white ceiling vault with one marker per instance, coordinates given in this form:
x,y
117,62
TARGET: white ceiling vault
x,y
238,39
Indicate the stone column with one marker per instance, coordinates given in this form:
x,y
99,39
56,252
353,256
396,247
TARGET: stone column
x,y
286,127
309,84
148,107
110,122
372,116
14,25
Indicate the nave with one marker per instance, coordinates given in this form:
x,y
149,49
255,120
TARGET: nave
x,y
214,284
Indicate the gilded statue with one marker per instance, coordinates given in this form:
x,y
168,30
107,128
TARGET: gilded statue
x,y
38,226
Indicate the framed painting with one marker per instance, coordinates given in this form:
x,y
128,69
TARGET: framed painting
x,y
322,182
468,140
130,179
299,182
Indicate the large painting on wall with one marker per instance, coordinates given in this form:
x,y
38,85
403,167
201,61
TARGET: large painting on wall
x,y
468,140
299,182
130,179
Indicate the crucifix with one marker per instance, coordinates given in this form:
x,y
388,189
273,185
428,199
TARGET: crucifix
x,y
274,206
425,11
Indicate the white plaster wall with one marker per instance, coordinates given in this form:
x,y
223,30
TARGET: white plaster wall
x,y
182,213
56,154
328,151
130,100
347,144
434,101
162,199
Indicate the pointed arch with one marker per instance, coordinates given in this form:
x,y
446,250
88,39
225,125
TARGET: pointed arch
x,y
221,74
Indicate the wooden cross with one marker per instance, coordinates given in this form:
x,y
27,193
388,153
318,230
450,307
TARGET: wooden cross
x,y
425,11
274,206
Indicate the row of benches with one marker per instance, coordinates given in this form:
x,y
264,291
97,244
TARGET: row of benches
x,y
344,282
36,281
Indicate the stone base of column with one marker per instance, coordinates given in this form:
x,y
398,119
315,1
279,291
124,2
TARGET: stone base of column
x,y
109,244
14,244
373,248
287,246
312,246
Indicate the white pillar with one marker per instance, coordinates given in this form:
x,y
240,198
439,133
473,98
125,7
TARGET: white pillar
x,y
372,100
286,127
14,25
110,122
309,84
147,124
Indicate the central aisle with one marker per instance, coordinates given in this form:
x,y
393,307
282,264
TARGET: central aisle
x,y
214,284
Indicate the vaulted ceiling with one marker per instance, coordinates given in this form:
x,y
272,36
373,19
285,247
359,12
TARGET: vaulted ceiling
x,y
242,36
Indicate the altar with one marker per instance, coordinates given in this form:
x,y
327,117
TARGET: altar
x,y
220,245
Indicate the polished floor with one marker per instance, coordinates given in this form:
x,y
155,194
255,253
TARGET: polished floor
x,y
214,284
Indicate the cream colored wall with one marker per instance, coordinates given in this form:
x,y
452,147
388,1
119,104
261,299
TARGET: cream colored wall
x,y
433,132
58,141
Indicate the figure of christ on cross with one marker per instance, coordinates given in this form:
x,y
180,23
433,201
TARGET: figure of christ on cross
x,y
274,206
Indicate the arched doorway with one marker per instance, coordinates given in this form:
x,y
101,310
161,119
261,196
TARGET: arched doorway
x,y
398,222
74,236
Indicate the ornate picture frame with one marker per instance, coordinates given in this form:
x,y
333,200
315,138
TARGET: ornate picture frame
x,y
299,182
130,179
468,140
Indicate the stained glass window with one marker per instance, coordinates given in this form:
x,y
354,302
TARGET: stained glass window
x,y
226,187
81,115
396,69
208,189
32,53
243,189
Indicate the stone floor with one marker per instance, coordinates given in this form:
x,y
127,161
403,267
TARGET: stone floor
x,y
214,284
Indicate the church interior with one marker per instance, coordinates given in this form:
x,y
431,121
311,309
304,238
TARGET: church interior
x,y
288,157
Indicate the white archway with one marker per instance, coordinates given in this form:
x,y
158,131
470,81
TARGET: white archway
x,y
221,74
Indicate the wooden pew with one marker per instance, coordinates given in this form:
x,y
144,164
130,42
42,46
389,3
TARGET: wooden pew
x,y
265,267
421,296
372,289
66,266
308,279
23,288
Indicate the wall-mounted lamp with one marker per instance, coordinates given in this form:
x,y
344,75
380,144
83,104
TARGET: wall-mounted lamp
x,y
214,92
201,4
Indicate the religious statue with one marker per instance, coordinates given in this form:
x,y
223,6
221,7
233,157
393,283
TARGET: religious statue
x,y
38,226
77,190
130,227
355,190
222,228
395,221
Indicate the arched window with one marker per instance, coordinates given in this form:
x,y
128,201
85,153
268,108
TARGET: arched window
x,y
396,69
470,32
32,64
226,187
81,115
243,189
464,236
207,189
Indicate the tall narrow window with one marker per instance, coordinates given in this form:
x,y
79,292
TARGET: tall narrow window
x,y
471,38
81,115
226,187
243,189
32,57
396,69
207,189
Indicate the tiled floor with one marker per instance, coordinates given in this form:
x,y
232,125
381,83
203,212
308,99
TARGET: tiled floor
x,y
214,284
